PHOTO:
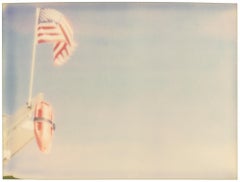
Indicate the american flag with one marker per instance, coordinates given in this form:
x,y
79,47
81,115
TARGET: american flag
x,y
53,27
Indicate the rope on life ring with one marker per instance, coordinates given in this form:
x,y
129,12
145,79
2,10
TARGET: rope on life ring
x,y
40,119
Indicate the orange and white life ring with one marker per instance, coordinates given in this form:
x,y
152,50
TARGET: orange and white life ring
x,y
43,126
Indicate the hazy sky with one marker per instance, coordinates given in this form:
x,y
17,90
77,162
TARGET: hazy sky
x,y
150,91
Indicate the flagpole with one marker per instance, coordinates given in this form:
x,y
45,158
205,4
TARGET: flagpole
x,y
29,104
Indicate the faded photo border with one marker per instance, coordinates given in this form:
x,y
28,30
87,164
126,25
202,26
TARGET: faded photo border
x,y
113,104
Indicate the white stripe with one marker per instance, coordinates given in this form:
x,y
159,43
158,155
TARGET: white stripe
x,y
70,49
69,36
57,63
67,50
47,24
65,54
51,38
65,24
49,31
63,57
60,46
60,60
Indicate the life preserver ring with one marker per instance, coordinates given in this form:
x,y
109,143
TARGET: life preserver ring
x,y
43,126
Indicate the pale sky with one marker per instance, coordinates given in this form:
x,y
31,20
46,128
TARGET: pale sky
x,y
150,91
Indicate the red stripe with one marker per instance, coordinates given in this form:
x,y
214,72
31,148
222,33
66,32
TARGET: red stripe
x,y
65,35
56,46
55,59
46,27
61,50
44,41
41,34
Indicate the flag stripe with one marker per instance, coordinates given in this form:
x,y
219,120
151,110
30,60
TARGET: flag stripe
x,y
67,49
64,47
51,34
50,38
59,52
42,27
46,31
65,35
56,46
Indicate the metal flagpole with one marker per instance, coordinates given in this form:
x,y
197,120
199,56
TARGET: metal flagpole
x,y
33,59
